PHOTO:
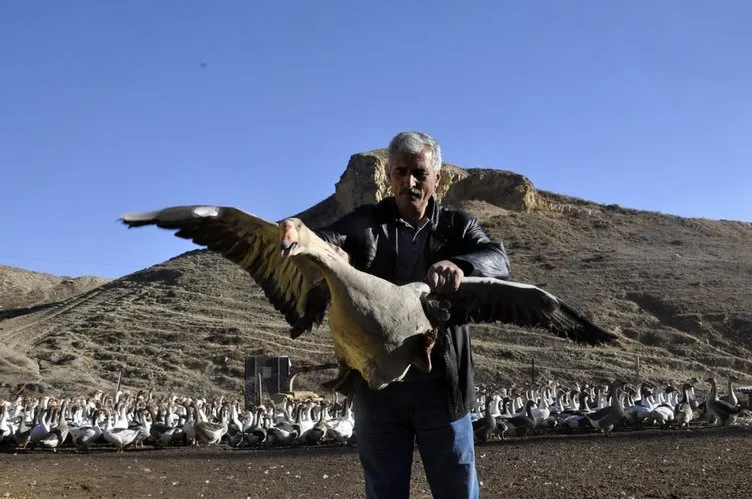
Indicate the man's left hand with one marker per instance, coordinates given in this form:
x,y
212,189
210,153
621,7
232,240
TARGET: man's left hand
x,y
444,276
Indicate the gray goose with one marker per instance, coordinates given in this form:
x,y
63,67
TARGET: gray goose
x,y
379,329
486,425
521,424
721,410
608,417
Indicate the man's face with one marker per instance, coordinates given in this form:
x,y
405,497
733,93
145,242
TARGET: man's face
x,y
413,182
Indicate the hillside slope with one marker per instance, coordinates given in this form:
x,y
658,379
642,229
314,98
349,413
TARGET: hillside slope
x,y
675,288
25,288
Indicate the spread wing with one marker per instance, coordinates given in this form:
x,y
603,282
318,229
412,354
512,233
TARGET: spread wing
x,y
481,299
300,294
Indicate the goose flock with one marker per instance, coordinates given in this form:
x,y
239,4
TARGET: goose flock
x,y
124,420
603,408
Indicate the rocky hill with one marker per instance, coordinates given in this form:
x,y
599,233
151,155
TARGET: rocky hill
x,y
21,289
676,289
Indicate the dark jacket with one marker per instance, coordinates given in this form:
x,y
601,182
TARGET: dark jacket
x,y
454,235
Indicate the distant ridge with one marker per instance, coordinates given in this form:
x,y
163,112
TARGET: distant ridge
x,y
25,288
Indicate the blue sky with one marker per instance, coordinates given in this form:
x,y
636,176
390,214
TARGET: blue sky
x,y
105,108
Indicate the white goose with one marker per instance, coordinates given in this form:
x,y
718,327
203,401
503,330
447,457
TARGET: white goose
x,y
118,436
684,412
43,427
5,429
341,428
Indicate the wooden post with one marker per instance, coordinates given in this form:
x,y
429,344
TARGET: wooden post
x,y
637,368
120,378
532,371
258,388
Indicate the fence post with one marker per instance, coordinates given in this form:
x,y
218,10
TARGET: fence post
x,y
532,371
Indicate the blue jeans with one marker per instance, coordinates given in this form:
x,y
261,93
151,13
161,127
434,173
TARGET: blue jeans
x,y
390,421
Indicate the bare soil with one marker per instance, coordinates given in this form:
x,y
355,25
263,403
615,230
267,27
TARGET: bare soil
x,y
700,463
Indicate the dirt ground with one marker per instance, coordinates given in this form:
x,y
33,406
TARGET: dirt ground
x,y
702,463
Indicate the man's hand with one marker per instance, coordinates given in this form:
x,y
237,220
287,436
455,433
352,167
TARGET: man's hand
x,y
444,276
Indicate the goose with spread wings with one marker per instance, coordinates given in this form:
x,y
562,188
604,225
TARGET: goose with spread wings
x,y
378,328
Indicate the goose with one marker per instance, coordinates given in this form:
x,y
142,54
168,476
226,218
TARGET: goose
x,y
731,397
22,433
84,435
521,424
162,433
722,411
282,433
662,415
144,425
43,427
235,433
378,328
189,426
5,428
607,418
486,426
57,435
255,432
574,419
638,412
317,433
341,428
116,435
208,432
684,412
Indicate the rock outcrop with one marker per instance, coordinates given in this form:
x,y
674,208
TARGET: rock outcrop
x,y
365,180
504,189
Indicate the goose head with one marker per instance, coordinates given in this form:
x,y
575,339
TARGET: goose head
x,y
294,236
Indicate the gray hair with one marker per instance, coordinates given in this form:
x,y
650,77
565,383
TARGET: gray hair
x,y
414,143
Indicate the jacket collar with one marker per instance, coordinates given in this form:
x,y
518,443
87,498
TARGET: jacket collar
x,y
391,212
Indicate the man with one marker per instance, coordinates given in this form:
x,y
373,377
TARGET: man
x,y
404,238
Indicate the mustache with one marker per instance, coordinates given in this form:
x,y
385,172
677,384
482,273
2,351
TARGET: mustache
x,y
412,191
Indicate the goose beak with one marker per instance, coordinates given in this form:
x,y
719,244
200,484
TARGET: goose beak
x,y
288,238
287,248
